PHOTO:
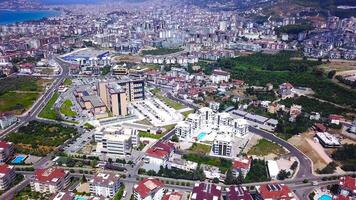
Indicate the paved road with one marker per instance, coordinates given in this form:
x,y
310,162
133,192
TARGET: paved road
x,y
305,164
40,103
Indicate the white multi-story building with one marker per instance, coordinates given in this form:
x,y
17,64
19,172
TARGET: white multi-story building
x,y
7,176
50,180
116,141
208,122
149,189
158,156
223,145
115,145
105,184
6,150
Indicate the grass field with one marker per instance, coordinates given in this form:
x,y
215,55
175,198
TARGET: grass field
x,y
265,147
186,113
17,102
160,51
48,111
66,109
144,134
17,94
67,82
198,148
168,101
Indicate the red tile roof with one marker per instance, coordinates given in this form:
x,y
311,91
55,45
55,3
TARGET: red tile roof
x,y
49,174
348,183
160,149
335,117
275,191
173,196
4,144
238,193
5,169
286,85
204,191
242,163
148,186
320,127
341,197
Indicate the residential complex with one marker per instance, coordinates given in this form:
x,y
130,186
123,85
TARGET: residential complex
x,y
6,151
7,176
50,180
105,184
149,189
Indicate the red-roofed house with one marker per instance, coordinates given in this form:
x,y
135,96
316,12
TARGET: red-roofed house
x,y
238,193
7,176
158,155
203,191
50,180
241,165
173,196
275,192
27,68
285,89
149,189
320,127
348,185
335,119
6,150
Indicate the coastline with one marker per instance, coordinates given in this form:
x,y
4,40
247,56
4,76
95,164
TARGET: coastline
x,y
12,16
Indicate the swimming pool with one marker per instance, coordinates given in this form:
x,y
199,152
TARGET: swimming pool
x,y
19,159
80,198
325,197
201,135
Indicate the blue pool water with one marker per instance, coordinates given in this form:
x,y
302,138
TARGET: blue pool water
x,y
18,160
80,198
325,197
201,135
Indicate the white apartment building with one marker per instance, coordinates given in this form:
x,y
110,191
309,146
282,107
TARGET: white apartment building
x,y
7,176
205,120
115,145
50,180
223,145
135,138
104,184
149,189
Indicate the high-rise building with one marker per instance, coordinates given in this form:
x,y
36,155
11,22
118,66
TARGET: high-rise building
x,y
116,94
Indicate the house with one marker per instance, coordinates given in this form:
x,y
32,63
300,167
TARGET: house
x,y
347,185
173,196
273,169
335,119
237,193
294,112
149,189
206,191
6,120
219,76
241,165
320,127
50,180
26,68
7,176
275,192
285,89
158,155
6,151
327,140
105,184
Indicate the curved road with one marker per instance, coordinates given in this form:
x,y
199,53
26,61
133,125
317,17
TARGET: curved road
x,y
305,164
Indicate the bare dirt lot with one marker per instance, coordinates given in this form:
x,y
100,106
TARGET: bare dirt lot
x,y
306,144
